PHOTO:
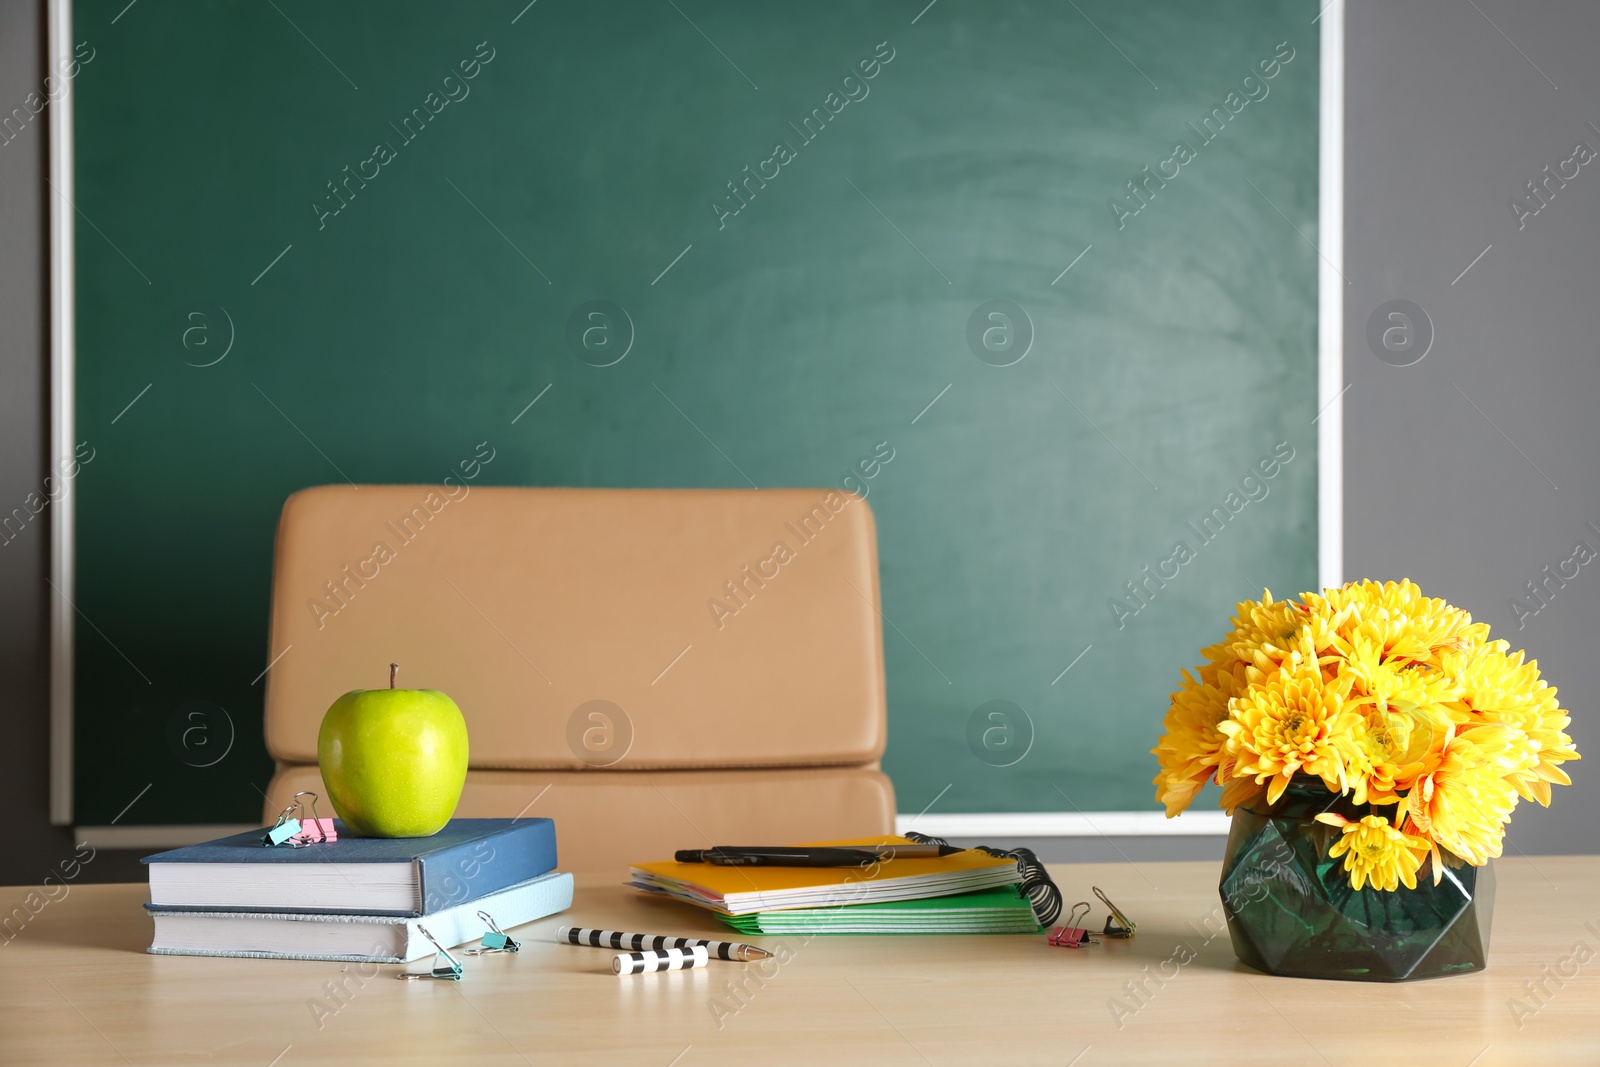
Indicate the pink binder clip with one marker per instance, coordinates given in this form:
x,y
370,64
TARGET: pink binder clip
x,y
313,831
317,832
1072,935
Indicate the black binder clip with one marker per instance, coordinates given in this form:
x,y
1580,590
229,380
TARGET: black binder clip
x,y
446,967
494,939
1118,925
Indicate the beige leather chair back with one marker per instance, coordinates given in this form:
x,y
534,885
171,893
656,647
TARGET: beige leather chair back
x,y
655,669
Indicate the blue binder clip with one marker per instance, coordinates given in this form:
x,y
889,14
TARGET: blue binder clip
x,y
287,826
494,940
446,967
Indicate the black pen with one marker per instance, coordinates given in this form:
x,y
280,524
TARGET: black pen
x,y
800,856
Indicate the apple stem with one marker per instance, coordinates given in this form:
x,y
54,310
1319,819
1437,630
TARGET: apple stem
x,y
394,669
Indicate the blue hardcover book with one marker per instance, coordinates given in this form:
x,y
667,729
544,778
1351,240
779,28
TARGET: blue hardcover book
x,y
468,859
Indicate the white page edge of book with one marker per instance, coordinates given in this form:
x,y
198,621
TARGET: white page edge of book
x,y
546,895
391,887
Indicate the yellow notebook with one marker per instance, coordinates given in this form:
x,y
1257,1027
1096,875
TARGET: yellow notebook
x,y
742,890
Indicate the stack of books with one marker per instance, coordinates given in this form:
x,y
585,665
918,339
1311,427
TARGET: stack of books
x,y
968,892
354,898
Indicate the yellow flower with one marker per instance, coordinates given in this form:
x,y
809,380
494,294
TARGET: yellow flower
x,y
1263,634
1408,625
1504,690
1390,749
1191,747
1236,792
1388,697
1465,802
1376,852
1287,725
1404,721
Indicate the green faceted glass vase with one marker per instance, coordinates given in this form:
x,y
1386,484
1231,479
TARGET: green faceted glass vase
x,y
1291,910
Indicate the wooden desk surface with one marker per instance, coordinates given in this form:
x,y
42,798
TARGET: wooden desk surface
x,y
77,987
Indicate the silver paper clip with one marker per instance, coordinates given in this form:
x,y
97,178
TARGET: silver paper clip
x,y
285,828
1117,924
446,967
494,939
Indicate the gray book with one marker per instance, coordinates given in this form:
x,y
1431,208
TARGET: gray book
x,y
351,937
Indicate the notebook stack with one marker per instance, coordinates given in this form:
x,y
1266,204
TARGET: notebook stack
x,y
354,898
968,892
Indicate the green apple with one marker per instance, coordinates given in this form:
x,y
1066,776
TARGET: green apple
x,y
393,760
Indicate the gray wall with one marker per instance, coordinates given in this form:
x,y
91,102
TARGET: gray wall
x,y
24,381
1467,471
1470,471
33,846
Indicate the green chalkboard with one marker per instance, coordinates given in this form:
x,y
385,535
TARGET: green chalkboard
x,y
1043,255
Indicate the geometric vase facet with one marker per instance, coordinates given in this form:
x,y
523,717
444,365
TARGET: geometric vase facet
x,y
1291,910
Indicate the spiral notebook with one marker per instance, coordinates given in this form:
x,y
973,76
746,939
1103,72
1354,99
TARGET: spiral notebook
x,y
747,890
989,911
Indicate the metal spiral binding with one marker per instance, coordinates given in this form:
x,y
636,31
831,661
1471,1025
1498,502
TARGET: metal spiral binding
x,y
1037,885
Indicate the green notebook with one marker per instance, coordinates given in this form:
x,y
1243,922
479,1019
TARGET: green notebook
x,y
988,911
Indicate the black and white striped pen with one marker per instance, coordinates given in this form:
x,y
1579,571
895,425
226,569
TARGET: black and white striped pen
x,y
616,939
668,959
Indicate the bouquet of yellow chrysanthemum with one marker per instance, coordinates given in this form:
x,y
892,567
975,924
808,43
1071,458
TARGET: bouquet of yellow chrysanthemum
x,y
1389,698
